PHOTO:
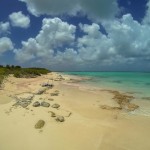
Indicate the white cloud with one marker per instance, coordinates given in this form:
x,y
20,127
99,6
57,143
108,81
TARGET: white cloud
x,y
126,43
53,36
4,27
94,46
95,9
99,9
55,33
5,44
146,19
18,19
130,38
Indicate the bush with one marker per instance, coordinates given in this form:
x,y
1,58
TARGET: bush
x,y
7,66
19,72
17,75
18,67
1,80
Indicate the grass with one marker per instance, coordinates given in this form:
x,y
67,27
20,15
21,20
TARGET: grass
x,y
19,72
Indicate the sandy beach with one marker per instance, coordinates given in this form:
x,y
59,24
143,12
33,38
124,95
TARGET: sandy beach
x,y
86,126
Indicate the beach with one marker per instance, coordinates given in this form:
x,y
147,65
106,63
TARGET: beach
x,y
93,117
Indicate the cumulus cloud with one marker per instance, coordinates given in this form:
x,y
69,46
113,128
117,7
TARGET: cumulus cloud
x,y
126,43
53,35
18,19
4,27
95,9
94,46
5,44
129,37
146,19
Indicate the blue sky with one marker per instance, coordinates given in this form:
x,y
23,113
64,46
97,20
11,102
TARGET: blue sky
x,y
76,35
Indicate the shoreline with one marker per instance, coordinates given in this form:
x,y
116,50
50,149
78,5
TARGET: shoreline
x,y
120,82
99,128
142,102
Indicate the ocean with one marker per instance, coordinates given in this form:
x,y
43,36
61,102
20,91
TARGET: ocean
x,y
132,82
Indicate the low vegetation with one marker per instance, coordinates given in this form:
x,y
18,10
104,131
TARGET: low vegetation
x,y
19,72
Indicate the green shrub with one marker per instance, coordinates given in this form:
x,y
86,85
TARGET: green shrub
x,y
19,72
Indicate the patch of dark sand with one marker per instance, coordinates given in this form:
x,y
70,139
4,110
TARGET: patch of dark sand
x,y
123,100
146,98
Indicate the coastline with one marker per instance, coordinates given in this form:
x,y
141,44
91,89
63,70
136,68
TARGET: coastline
x,y
86,125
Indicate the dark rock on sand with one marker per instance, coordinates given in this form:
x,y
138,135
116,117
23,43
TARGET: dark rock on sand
x,y
22,103
56,91
50,99
36,104
45,104
60,119
40,124
47,85
59,78
23,100
25,96
55,105
55,94
53,114
41,91
30,97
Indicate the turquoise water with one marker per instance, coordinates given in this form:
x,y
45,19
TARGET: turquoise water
x,y
136,82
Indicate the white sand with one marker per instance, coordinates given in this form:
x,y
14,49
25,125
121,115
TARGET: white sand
x,y
87,128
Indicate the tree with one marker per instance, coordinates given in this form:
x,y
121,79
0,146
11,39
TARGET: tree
x,y
18,67
7,66
12,66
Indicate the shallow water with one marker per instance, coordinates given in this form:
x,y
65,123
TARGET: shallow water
x,y
133,82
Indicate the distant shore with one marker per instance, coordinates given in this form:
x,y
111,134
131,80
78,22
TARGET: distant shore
x,y
54,111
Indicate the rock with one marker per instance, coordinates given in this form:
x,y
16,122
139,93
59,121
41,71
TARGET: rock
x,y
45,104
23,100
132,107
54,94
47,85
36,104
59,78
50,99
40,124
30,97
41,91
25,96
53,114
55,105
56,91
24,104
60,119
